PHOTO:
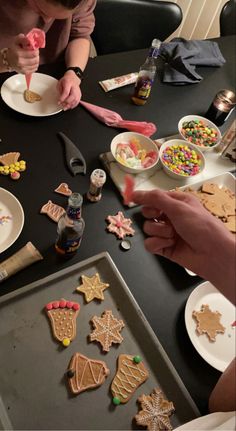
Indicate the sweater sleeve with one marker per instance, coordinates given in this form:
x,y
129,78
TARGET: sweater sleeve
x,y
83,20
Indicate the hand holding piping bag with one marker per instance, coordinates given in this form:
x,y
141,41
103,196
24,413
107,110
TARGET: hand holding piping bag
x,y
36,40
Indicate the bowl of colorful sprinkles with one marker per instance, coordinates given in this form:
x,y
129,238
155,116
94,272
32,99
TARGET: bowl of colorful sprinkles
x,y
181,160
134,152
199,131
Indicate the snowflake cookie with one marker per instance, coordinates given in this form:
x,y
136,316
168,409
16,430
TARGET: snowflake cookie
x,y
107,330
119,225
155,411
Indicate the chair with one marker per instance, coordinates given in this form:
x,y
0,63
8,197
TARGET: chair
x,y
124,25
228,18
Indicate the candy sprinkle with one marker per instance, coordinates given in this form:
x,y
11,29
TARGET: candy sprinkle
x,y
182,160
198,133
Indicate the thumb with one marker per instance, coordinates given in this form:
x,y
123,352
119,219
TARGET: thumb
x,y
22,41
64,89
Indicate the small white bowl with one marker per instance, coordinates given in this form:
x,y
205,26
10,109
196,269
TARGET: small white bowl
x,y
145,142
176,175
208,123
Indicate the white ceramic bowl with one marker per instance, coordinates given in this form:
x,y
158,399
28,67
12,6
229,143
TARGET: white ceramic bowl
x,y
207,122
146,144
173,174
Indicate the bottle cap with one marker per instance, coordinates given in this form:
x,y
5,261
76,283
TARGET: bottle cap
x,y
75,200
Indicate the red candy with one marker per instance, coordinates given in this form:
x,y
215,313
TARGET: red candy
x,y
62,303
76,306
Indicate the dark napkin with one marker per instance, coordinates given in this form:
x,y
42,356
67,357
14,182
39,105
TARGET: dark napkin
x,y
181,56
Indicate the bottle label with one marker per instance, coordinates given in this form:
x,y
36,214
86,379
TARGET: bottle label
x,y
74,213
143,88
67,247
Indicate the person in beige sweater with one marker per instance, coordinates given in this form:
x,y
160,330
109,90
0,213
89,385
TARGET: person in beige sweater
x,y
68,25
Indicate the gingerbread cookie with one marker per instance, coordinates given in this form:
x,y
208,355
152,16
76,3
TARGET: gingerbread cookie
x,y
62,315
208,322
219,201
84,373
52,210
63,189
131,373
107,330
155,411
31,96
119,225
92,287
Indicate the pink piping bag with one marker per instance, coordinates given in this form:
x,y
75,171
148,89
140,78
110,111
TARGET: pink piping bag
x,y
112,119
36,40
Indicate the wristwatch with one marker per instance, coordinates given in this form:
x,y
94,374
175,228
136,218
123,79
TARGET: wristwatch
x,y
77,71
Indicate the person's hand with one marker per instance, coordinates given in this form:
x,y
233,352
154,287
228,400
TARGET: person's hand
x,y
186,233
20,58
69,90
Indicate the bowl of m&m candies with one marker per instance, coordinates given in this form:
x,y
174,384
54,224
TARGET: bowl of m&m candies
x,y
134,152
199,131
181,160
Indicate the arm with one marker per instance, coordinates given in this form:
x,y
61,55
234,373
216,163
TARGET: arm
x,y
18,58
189,235
77,53
222,398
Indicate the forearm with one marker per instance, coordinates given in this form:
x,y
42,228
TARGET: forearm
x,y
221,271
223,398
77,53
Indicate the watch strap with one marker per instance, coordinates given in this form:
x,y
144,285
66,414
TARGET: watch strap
x,y
77,71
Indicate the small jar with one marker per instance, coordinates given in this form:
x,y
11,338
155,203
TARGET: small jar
x,y
97,180
221,107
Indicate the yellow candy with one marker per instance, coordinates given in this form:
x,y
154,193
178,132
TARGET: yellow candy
x,y
11,169
66,342
17,164
11,165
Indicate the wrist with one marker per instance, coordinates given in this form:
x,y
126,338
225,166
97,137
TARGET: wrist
x,y
5,60
77,71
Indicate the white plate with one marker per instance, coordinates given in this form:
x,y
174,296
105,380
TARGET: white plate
x,y
9,231
12,93
221,352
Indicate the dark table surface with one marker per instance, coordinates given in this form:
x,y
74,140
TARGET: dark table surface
x,y
160,286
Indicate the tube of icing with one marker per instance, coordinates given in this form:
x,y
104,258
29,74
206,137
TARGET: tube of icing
x,y
20,260
119,81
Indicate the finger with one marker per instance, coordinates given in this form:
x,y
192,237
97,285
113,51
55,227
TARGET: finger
x,y
161,246
149,212
160,230
29,54
166,201
65,88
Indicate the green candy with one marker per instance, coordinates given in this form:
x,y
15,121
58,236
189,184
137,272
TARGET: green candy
x,y
137,359
116,401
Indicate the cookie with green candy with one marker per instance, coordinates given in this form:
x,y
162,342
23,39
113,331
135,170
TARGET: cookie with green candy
x,y
131,373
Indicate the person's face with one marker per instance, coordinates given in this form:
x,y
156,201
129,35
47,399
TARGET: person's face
x,y
48,10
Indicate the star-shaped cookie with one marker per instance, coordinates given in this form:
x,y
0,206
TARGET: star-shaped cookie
x,y
92,287
119,225
208,322
107,330
155,411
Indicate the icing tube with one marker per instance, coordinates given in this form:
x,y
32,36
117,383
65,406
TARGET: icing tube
x,y
119,81
20,260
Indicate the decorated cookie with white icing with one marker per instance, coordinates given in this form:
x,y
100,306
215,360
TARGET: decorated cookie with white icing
x,y
131,373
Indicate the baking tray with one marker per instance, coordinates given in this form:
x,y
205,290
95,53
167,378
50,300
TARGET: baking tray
x,y
33,388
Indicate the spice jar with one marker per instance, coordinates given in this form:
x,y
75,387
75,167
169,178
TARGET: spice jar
x,y
97,179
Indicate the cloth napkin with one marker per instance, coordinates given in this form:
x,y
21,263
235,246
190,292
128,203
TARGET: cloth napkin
x,y
113,119
181,56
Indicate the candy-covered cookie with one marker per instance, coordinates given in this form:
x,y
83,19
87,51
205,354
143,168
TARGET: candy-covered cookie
x,y
62,315
131,373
